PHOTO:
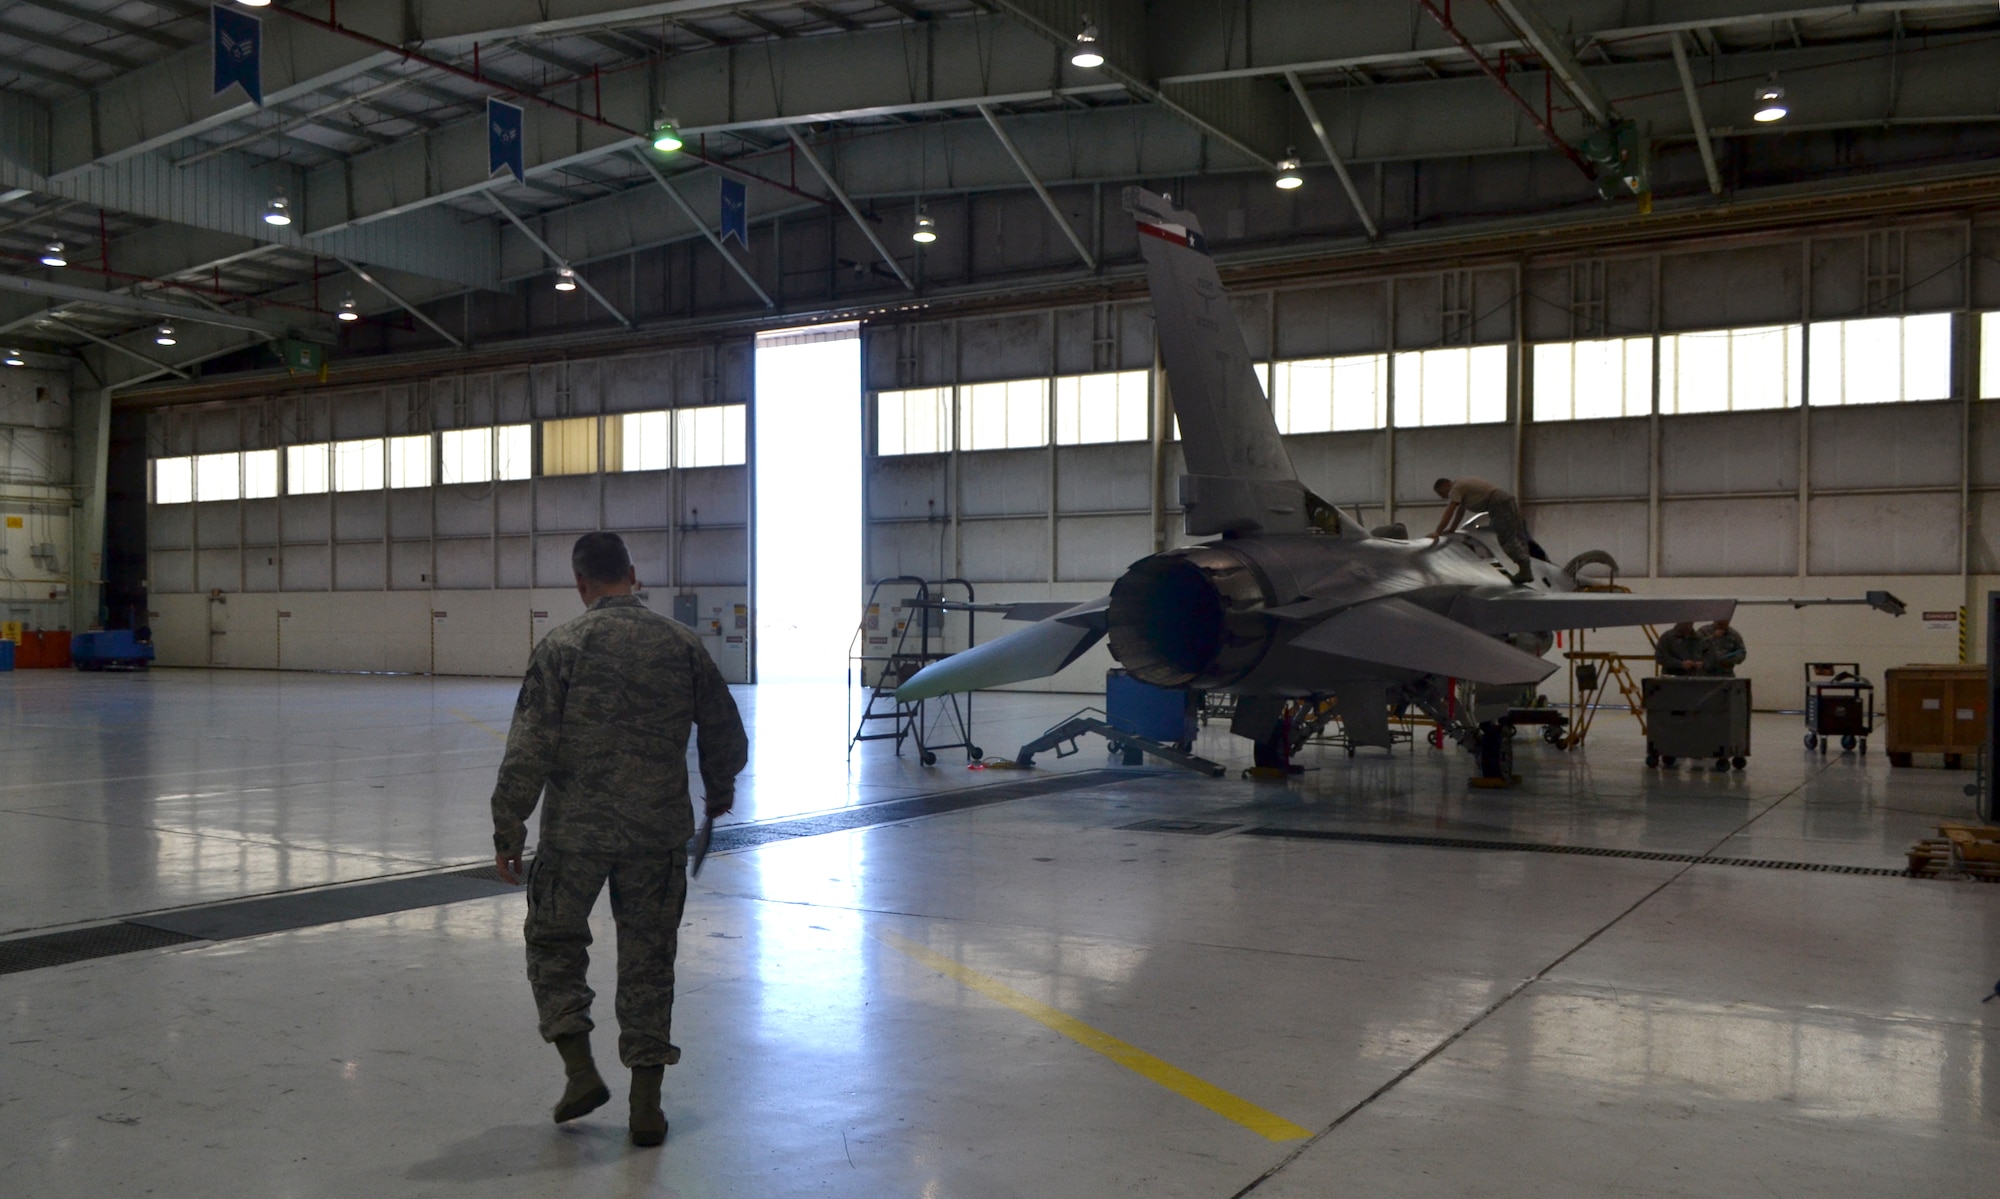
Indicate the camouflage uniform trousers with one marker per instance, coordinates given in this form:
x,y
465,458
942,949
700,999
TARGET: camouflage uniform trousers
x,y
647,895
1510,531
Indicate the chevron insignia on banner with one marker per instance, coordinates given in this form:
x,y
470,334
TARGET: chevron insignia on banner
x,y
503,139
238,50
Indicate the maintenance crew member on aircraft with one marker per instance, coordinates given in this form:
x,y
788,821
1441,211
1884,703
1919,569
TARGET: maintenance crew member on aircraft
x,y
1466,496
1722,649
602,722
1682,650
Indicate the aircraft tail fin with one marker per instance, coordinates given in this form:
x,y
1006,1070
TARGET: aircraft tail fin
x,y
1240,480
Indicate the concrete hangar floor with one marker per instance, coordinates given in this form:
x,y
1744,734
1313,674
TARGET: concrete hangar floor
x,y
1009,988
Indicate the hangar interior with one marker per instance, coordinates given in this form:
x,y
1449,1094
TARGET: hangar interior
x,y
297,388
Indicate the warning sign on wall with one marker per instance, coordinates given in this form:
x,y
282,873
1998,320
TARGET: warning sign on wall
x,y
1944,621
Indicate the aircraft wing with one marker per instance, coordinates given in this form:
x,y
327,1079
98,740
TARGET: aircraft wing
x,y
1397,633
1035,652
1068,611
1519,610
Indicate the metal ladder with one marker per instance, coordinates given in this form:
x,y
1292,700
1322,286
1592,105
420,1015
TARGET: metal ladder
x,y
893,658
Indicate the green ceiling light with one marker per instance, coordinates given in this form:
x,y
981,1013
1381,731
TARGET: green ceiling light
x,y
665,138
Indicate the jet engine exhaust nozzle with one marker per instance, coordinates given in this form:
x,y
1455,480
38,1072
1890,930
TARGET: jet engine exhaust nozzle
x,y
1191,617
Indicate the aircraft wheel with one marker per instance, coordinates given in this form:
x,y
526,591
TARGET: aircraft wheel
x,y
1812,741
1848,742
1652,760
1552,734
1739,763
1437,738
1668,760
975,753
928,758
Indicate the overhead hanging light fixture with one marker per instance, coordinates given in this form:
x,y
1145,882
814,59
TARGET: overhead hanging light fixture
x,y
14,358
277,211
348,311
254,3
52,255
565,279
926,229
1770,103
666,139
1288,172
164,336
1087,53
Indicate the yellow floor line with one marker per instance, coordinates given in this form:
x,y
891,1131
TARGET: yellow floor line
x,y
1175,1079
477,723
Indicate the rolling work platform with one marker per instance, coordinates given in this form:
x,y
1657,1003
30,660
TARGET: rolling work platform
x,y
902,631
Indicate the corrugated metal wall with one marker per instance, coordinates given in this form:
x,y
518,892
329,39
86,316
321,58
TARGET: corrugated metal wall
x,y
37,495
442,545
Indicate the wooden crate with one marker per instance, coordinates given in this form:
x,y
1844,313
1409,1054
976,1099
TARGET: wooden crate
x,y
1936,710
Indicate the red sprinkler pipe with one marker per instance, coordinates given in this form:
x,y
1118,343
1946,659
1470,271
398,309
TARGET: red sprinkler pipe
x,y
1451,31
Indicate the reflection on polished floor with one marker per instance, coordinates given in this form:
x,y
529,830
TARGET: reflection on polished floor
x,y
1025,998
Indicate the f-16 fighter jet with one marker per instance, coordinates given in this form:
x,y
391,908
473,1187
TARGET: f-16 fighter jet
x,y
1293,598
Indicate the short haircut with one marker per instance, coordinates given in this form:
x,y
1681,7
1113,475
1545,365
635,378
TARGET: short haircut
x,y
1441,485
600,558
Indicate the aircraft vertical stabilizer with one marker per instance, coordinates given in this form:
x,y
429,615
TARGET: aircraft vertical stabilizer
x,y
1240,479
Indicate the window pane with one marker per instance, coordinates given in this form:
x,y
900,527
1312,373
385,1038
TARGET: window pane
x,y
260,474
569,447
1452,386
173,480
913,422
466,455
410,461
218,477
1882,360
1000,416
306,469
514,451
709,436
357,465
645,441
1586,380
1091,409
1989,356
1732,370
1324,395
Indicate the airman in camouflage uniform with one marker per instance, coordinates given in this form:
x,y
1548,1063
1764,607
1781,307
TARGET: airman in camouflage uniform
x,y
1723,649
600,737
1681,650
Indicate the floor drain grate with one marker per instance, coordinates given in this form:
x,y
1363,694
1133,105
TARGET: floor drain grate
x,y
83,944
1194,828
1592,851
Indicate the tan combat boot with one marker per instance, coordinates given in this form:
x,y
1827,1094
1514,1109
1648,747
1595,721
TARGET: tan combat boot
x,y
585,1091
649,1123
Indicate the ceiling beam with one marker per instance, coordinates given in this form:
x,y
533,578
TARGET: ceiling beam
x,y
687,211
861,222
1695,116
1333,155
139,304
1555,54
1034,181
556,258
362,274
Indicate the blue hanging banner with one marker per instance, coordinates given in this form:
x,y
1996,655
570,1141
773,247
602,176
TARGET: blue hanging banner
x,y
736,212
239,52
503,139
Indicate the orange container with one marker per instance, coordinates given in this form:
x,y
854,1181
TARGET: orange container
x,y
55,649
28,654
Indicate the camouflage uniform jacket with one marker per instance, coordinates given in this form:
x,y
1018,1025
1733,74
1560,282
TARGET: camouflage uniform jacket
x,y
1675,648
602,722
1723,651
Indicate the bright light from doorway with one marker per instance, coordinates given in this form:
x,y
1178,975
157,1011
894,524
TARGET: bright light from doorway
x,y
808,470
